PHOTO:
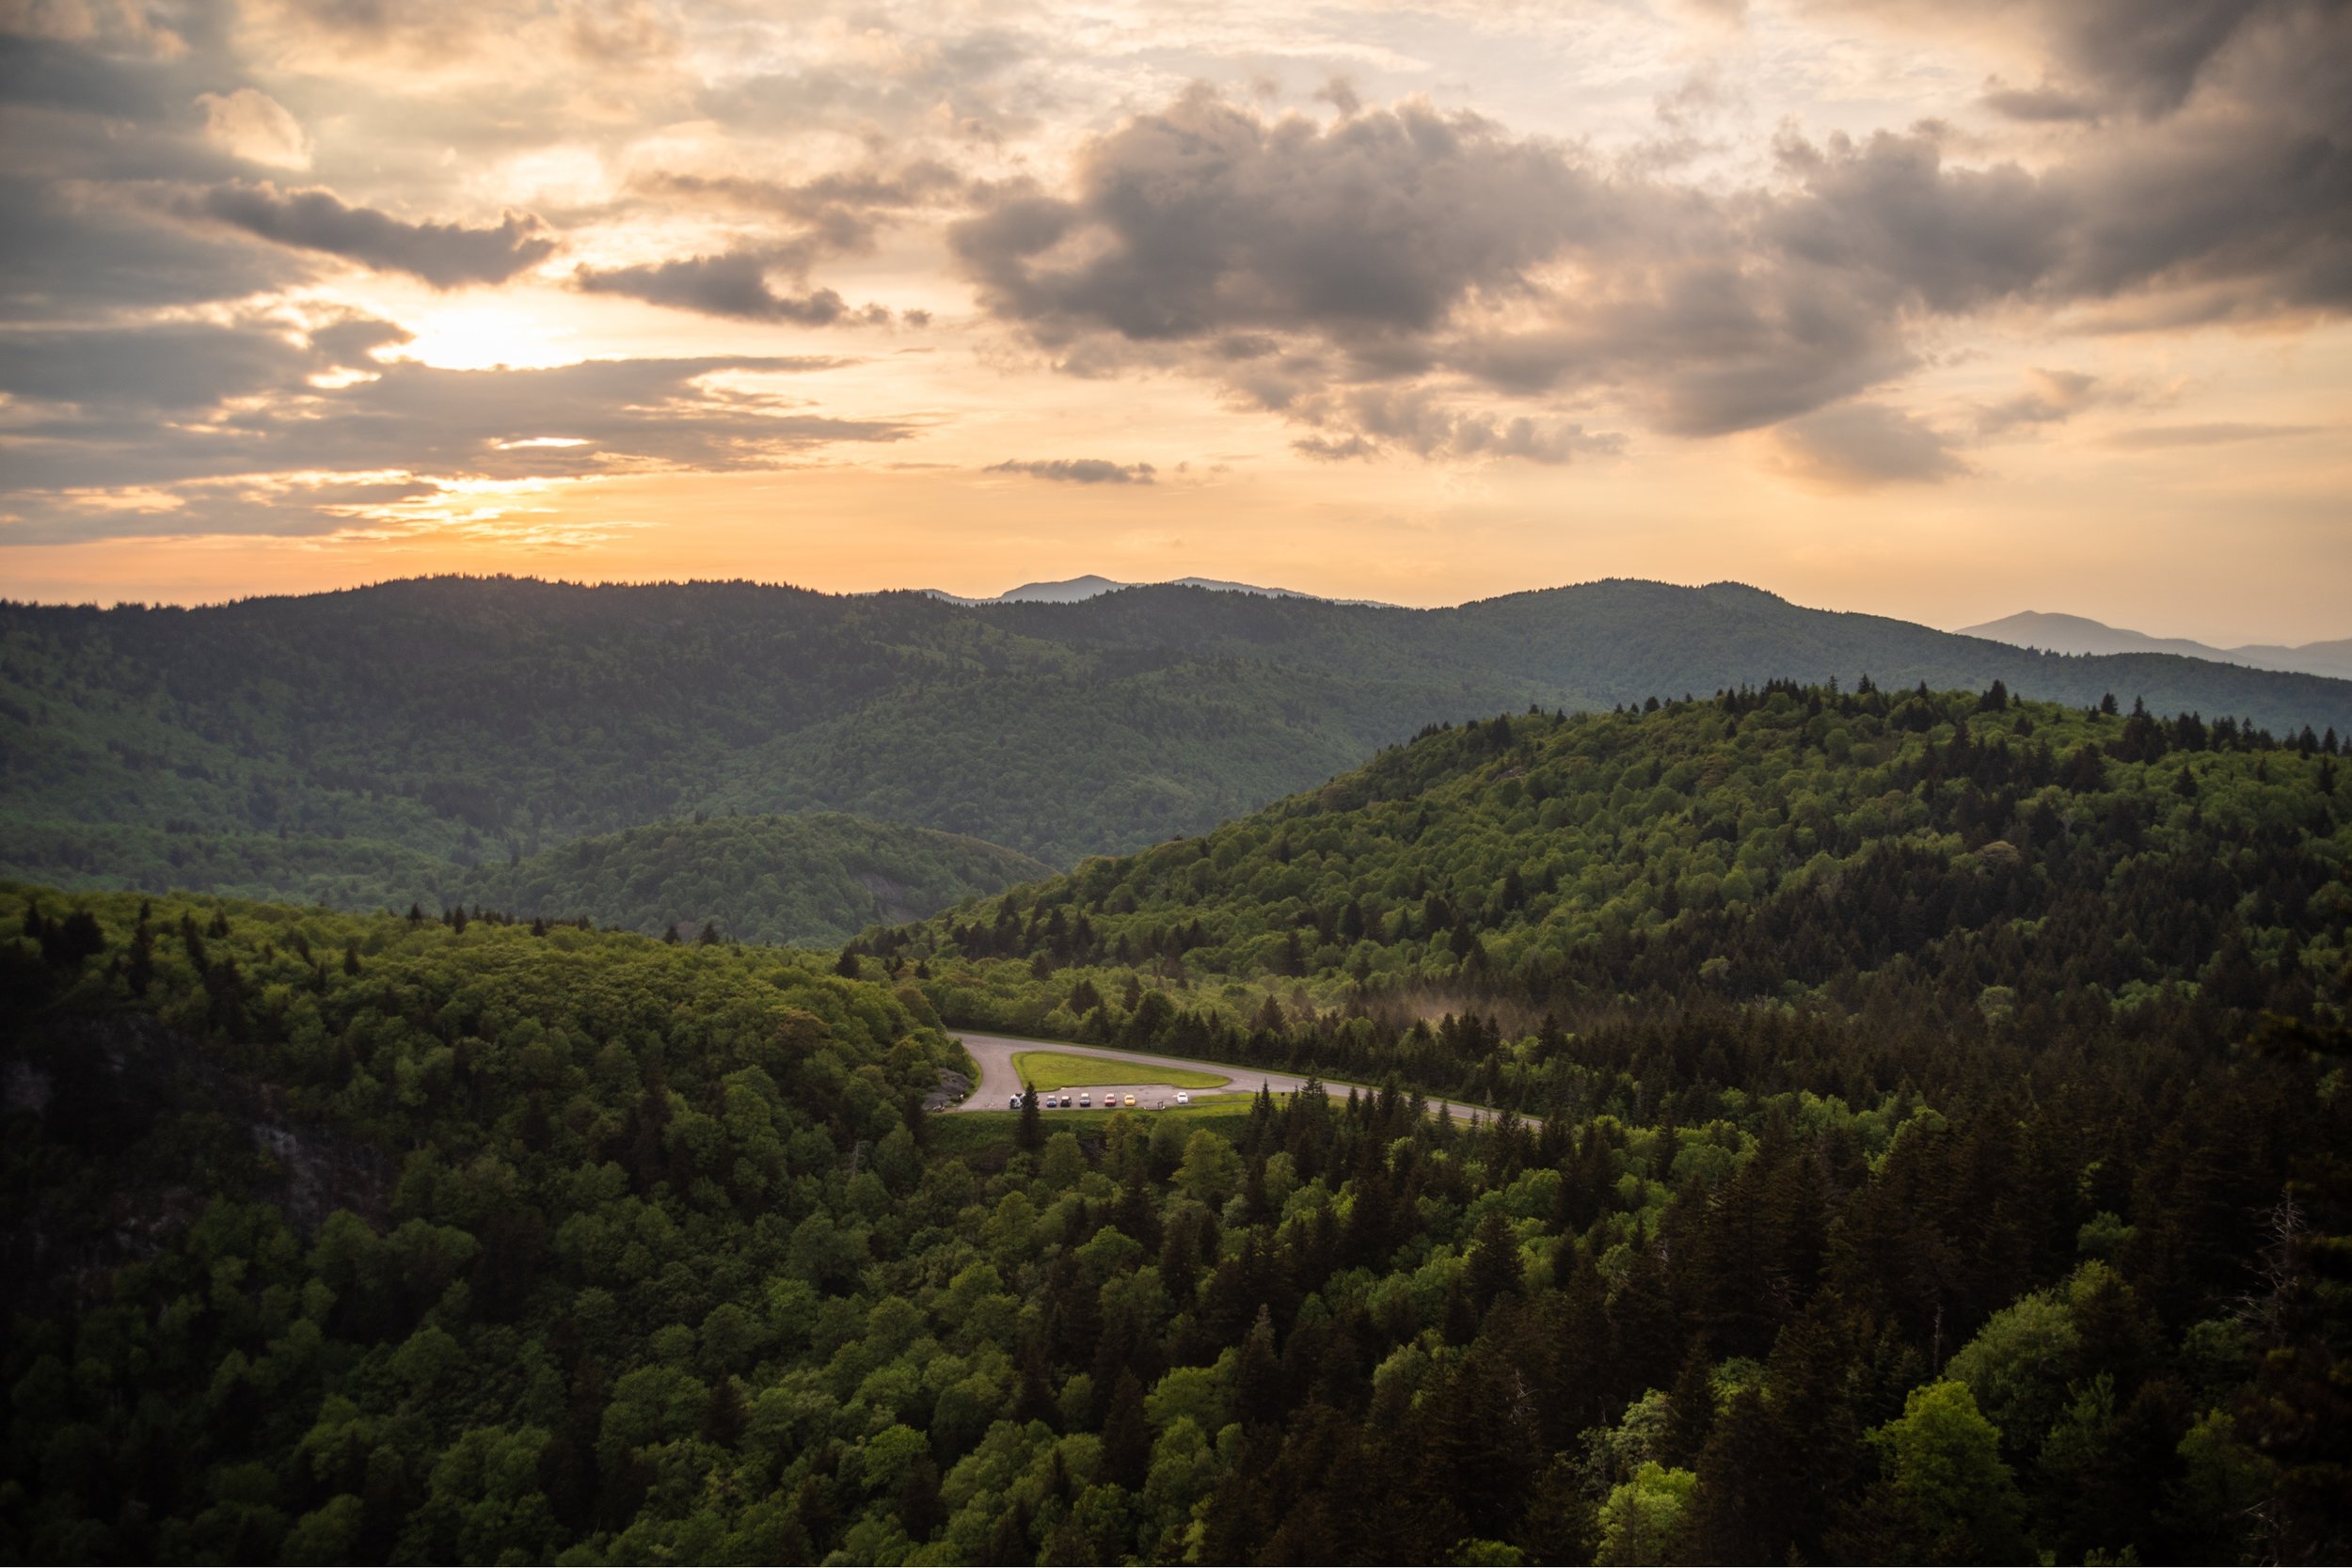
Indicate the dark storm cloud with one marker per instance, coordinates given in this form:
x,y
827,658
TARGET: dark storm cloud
x,y
733,284
1077,470
446,255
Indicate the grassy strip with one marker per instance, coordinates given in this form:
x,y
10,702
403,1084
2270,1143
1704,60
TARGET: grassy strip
x,y
1245,1071
971,1133
1054,1069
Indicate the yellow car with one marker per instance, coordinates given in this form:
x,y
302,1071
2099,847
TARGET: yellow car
x,y
1131,1100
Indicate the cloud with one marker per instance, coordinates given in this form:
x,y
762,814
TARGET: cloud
x,y
841,211
254,126
188,408
1077,470
1863,446
1205,218
2216,434
175,368
1289,259
52,74
2041,105
445,255
2148,55
1340,94
1393,281
1376,420
1296,262
2054,397
886,85
68,249
1888,213
734,285
839,214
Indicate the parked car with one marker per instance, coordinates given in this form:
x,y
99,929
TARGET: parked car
x,y
1183,1099
1085,1101
1016,1102
1131,1100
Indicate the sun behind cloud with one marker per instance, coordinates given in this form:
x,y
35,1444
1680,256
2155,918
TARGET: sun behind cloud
x,y
1526,295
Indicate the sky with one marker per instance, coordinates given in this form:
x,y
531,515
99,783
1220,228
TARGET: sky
x,y
1937,310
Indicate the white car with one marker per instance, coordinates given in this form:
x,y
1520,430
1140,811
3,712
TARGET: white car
x,y
1183,1099
1086,1102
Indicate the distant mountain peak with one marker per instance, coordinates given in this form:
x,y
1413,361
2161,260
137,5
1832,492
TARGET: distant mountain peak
x,y
2060,633
1092,585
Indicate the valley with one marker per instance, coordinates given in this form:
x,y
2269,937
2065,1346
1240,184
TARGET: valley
x,y
934,784
1804,1082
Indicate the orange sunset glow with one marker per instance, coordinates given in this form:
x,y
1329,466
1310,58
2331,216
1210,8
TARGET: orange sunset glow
x,y
1938,312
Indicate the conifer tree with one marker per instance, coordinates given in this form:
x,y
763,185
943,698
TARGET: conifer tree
x,y
1127,1435
1493,1269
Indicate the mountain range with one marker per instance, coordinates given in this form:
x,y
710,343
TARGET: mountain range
x,y
1072,590
2078,634
344,746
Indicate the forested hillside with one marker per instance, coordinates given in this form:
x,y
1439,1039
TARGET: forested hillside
x,y
815,879
806,881
2014,859
394,731
1943,1159
474,721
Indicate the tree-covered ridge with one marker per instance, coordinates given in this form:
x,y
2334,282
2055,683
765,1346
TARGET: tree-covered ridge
x,y
811,880
808,880
358,1240
1780,843
476,720
1623,641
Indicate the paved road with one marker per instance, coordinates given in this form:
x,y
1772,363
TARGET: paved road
x,y
999,1083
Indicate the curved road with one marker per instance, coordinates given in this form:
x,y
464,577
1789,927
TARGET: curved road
x,y
998,1084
